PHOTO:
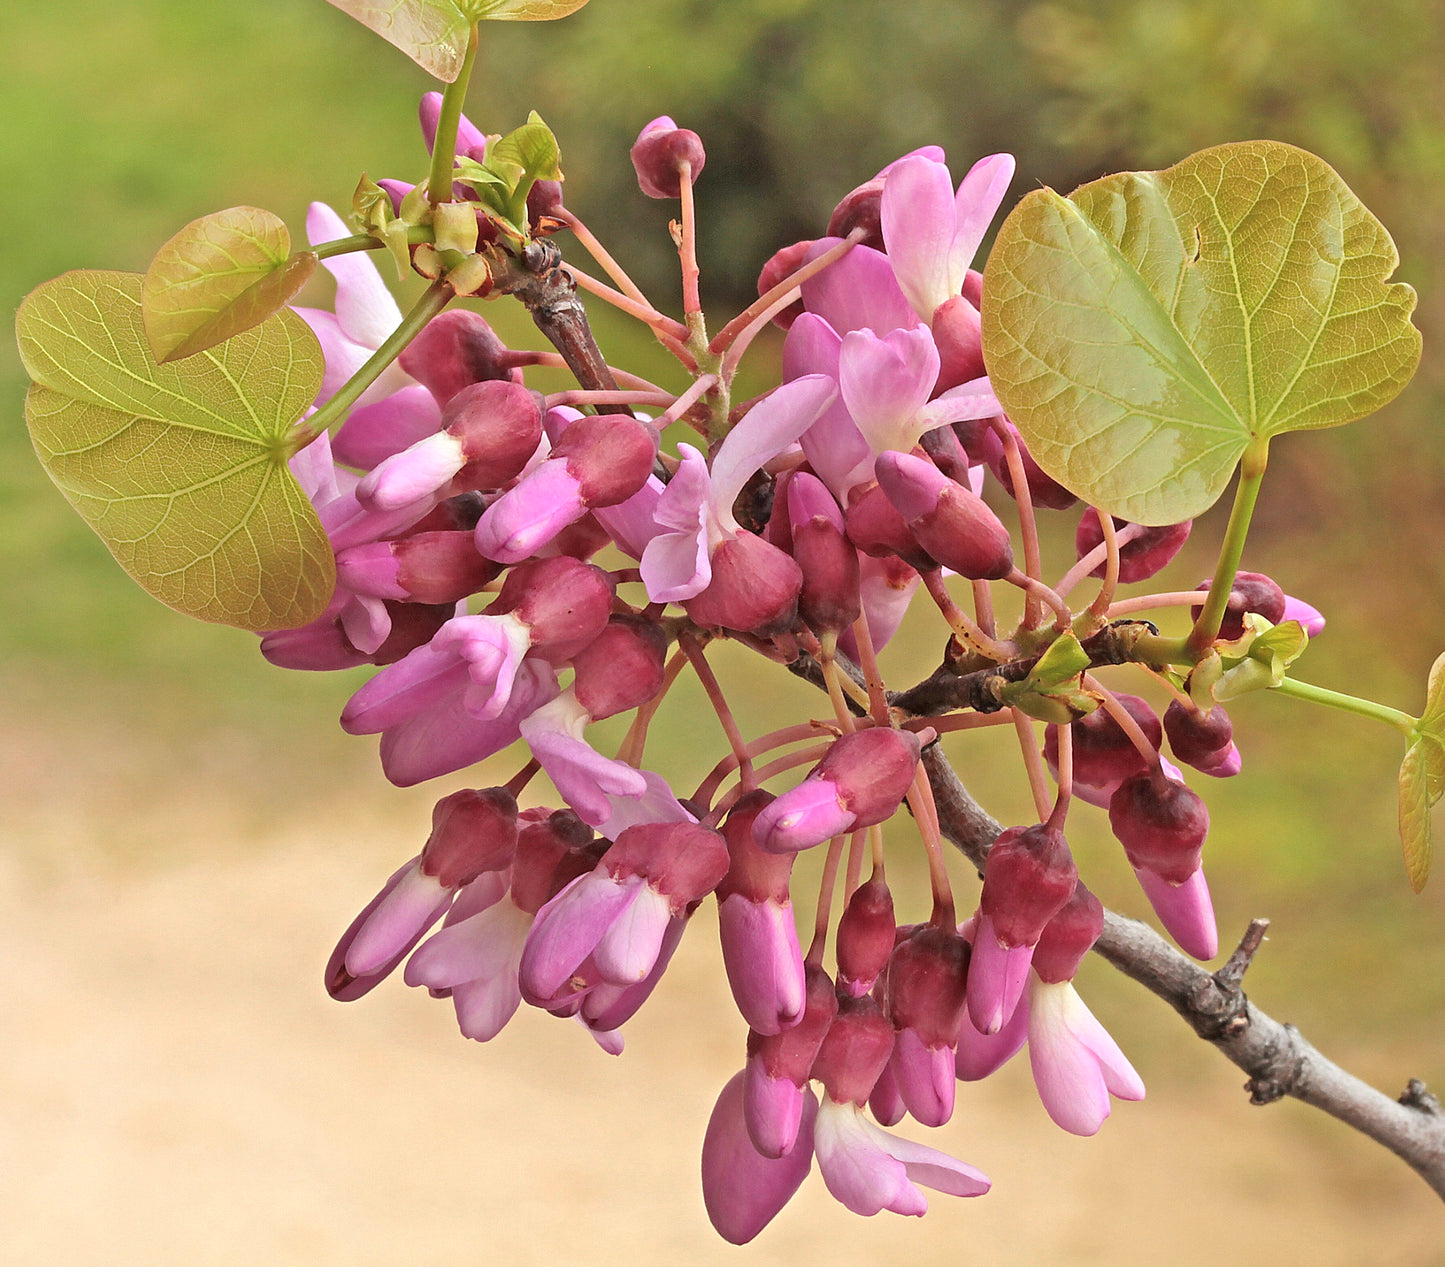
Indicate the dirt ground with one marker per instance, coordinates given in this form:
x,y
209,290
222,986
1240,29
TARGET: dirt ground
x,y
175,1086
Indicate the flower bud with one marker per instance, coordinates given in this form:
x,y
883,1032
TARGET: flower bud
x,y
564,603
1103,753
854,1051
553,849
783,264
878,530
1045,492
658,156
1161,824
860,781
958,335
949,521
621,668
422,567
779,1066
1250,592
1139,558
926,976
472,831
860,209
866,933
1203,740
609,455
456,349
754,589
1069,936
829,601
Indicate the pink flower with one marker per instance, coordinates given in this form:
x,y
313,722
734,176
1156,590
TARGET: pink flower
x,y
932,233
1076,1065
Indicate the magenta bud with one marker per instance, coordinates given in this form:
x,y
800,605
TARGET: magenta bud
x,y
1069,936
659,155
499,425
683,861
829,601
1045,492
756,874
754,589
926,976
859,209
1141,557
854,1051
1203,740
958,335
472,831
872,770
609,455
455,350
471,141
1185,910
790,1053
1251,592
866,933
877,529
744,1187
423,567
621,668
553,849
945,450
783,264
1103,753
565,604
544,201
1161,824
1028,877
949,521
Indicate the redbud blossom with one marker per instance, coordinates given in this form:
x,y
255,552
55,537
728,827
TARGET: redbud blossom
x,y
658,156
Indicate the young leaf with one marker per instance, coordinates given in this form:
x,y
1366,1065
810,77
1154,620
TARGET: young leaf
x,y
434,33
180,468
1143,330
1422,779
221,274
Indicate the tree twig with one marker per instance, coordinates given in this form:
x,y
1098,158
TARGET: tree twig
x,y
1279,1060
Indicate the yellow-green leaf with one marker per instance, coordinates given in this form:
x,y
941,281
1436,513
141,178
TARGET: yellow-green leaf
x,y
180,468
221,274
1422,782
1422,778
434,33
1142,331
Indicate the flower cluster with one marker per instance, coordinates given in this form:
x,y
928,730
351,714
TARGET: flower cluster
x,y
521,566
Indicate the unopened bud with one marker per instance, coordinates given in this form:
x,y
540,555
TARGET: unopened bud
x,y
659,155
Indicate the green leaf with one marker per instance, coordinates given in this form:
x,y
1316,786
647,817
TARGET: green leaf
x,y
1422,782
180,468
221,274
1422,779
1064,659
1141,332
434,33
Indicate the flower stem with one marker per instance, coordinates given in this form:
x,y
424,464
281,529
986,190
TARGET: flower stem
x,y
1348,704
1251,475
444,148
437,296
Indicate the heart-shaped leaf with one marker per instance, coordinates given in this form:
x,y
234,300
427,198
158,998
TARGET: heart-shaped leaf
x,y
434,33
180,468
1143,330
221,274
1422,779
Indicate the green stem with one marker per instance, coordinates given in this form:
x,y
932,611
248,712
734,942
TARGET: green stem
x,y
344,246
1349,704
437,296
1251,475
444,148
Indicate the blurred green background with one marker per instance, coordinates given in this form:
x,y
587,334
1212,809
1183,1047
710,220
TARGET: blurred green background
x,y
119,123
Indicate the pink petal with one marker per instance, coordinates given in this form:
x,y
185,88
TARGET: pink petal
x,y
980,194
918,220
526,517
857,1167
766,430
1185,910
568,928
742,1189
675,564
764,962
885,382
376,431
1075,1062
997,975
629,947
857,292
925,1077
364,307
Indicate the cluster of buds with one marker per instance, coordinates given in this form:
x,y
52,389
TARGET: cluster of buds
x,y
521,566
